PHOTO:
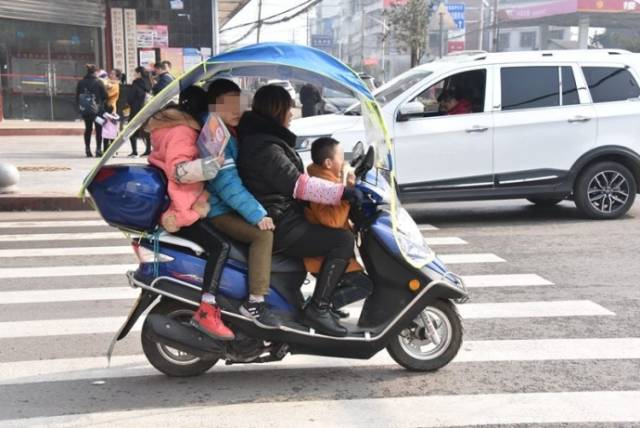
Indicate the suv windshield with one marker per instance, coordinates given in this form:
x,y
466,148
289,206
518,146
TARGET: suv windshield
x,y
396,87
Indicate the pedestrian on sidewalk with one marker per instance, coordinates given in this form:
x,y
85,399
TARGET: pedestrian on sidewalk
x,y
113,87
90,97
138,95
163,77
110,126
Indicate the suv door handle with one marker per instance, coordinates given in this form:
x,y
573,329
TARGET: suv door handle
x,y
580,119
476,129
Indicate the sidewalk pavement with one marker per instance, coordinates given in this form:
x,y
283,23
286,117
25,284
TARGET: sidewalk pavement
x,y
52,169
13,127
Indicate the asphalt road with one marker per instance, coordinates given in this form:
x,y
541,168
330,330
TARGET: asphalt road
x,y
561,348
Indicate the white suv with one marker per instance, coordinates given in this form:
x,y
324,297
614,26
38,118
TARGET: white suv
x,y
546,126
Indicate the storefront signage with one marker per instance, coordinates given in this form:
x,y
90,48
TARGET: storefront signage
x,y
130,42
153,36
117,39
609,6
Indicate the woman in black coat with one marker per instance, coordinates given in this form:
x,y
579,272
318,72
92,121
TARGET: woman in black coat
x,y
273,172
136,97
90,85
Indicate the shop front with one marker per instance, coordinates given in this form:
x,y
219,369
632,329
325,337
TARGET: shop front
x,y
44,47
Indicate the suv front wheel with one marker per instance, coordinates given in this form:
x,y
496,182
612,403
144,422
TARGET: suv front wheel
x,y
605,190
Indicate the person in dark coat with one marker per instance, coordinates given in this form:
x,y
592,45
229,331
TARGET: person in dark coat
x,y
310,99
273,172
163,77
136,97
90,97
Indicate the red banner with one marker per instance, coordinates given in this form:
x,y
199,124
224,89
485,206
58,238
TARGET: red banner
x,y
609,6
388,3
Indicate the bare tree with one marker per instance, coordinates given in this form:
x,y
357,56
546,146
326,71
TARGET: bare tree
x,y
409,23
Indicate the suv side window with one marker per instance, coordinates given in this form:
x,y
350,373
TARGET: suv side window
x,y
530,87
610,84
467,89
535,87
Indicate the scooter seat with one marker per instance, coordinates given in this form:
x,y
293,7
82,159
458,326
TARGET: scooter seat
x,y
279,263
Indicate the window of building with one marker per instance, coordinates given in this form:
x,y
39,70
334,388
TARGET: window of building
x,y
530,87
528,39
610,84
504,41
556,34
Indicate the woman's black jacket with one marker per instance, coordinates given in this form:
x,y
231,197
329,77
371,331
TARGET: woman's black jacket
x,y
136,95
270,167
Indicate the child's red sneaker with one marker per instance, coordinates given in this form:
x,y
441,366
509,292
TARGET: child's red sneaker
x,y
207,319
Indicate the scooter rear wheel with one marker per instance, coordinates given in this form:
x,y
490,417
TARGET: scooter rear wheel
x,y
415,347
170,361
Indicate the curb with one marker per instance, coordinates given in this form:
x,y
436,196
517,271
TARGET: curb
x,y
43,203
39,132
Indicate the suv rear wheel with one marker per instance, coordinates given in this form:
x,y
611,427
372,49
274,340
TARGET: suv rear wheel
x,y
605,190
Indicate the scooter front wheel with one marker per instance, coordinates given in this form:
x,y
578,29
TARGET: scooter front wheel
x,y
431,340
166,359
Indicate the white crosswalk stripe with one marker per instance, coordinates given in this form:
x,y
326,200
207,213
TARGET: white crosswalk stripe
x,y
69,369
423,411
523,299
50,224
470,311
89,236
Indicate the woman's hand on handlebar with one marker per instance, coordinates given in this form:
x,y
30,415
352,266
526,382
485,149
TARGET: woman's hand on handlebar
x,y
266,224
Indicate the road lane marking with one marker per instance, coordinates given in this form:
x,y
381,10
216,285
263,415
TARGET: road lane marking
x,y
66,251
480,281
61,236
427,227
68,295
505,280
121,293
101,325
58,223
70,369
124,249
470,258
544,309
59,271
578,407
445,240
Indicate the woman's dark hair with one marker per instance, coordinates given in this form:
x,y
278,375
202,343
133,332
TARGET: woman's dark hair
x,y
117,72
272,101
91,68
108,108
145,75
193,100
219,87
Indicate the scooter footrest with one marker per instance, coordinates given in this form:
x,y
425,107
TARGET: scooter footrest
x,y
170,332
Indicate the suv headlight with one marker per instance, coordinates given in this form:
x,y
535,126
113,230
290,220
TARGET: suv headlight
x,y
303,143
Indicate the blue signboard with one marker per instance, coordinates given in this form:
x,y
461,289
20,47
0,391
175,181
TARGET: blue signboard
x,y
322,42
456,10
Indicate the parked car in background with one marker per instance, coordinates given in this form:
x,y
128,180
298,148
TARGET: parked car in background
x,y
288,86
541,125
336,101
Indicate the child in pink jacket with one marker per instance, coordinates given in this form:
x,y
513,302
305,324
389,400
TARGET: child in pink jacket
x,y
174,132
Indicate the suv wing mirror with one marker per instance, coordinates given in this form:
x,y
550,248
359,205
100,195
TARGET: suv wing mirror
x,y
410,109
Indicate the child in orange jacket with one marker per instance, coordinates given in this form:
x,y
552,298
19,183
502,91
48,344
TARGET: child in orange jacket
x,y
328,162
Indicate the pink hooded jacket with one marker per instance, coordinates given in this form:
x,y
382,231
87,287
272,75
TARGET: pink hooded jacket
x,y
173,137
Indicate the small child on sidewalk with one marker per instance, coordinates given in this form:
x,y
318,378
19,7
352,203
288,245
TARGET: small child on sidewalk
x,y
328,163
110,127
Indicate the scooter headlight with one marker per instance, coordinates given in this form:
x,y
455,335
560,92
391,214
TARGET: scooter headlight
x,y
411,241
